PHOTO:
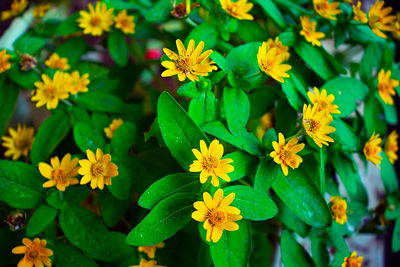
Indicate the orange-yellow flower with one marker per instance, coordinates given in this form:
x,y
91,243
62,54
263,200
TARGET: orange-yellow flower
x,y
145,263
353,260
326,9
379,19
238,9
125,22
55,62
391,146
309,31
17,7
324,101
97,169
189,62
209,163
151,250
281,49
267,121
4,64
20,141
60,175
36,253
216,214
372,149
359,15
40,10
97,20
285,154
316,124
110,130
386,86
339,209
49,91
270,62
79,83
396,27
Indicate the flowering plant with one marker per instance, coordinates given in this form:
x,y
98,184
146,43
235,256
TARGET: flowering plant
x,y
196,133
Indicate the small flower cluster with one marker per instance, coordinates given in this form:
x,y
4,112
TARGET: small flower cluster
x,y
373,148
99,19
214,211
150,251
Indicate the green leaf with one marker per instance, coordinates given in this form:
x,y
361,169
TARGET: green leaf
x,y
292,95
118,48
388,175
181,134
87,138
50,134
396,237
189,90
20,185
101,102
159,11
301,195
26,79
336,236
72,49
124,138
273,12
314,57
204,32
319,251
290,220
169,185
112,209
364,35
167,218
242,162
29,44
348,175
66,255
287,38
348,92
233,249
120,186
293,254
219,60
69,26
266,174
203,109
8,99
344,135
254,205
86,231
245,141
287,119
373,116
237,109
369,61
389,111
42,217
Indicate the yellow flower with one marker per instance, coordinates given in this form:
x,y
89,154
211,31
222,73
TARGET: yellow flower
x,y
50,91
316,124
353,260
216,214
79,83
324,101
4,64
379,19
396,27
391,146
40,10
125,22
151,250
20,141
60,175
209,163
267,121
386,86
17,7
55,62
309,31
339,209
145,263
372,149
97,20
237,9
281,49
285,154
189,63
359,15
326,9
36,253
97,169
110,130
270,62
